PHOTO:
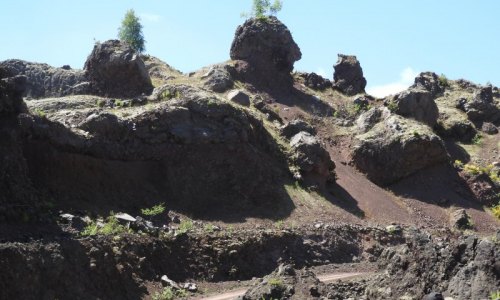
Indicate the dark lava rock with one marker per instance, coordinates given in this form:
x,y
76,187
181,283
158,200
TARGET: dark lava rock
x,y
417,104
218,79
433,296
430,82
18,198
460,219
489,128
266,44
314,162
482,108
46,81
239,97
286,283
394,147
463,268
265,52
315,81
116,70
293,127
348,76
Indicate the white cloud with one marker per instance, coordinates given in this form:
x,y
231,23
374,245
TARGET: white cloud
x,y
406,78
150,17
321,72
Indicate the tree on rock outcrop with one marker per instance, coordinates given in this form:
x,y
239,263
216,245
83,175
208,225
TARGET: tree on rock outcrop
x,y
263,8
131,32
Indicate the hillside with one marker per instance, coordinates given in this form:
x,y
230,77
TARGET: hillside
x,y
128,170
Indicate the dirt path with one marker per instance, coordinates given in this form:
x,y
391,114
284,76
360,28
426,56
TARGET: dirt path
x,y
326,278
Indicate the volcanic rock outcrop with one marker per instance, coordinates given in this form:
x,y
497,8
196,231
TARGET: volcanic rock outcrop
x,y
393,147
18,199
114,69
269,50
348,76
46,81
314,162
417,104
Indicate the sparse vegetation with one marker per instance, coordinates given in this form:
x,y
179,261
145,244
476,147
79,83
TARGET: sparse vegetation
x,y
477,140
110,227
170,294
154,211
392,106
131,31
209,228
496,210
40,113
275,282
443,81
495,295
185,226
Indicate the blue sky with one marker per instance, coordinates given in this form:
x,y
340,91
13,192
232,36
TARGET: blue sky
x,y
393,39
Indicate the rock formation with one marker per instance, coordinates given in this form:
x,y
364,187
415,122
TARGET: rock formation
x,y
46,81
114,69
417,104
394,147
348,76
269,50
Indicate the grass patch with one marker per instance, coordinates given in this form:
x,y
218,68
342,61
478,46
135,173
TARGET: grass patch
x,y
110,227
276,282
170,294
185,226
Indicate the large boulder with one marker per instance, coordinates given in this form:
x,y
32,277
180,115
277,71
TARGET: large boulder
x,y
453,123
218,78
268,50
293,127
116,70
417,104
348,76
46,81
482,107
394,147
312,159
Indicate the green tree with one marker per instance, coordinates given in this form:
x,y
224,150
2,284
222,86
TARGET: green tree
x,y
131,31
261,9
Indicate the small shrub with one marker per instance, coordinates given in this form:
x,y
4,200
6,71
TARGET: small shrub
x,y
101,103
209,228
477,139
185,226
153,211
40,113
169,294
443,81
392,106
275,282
280,224
119,103
458,164
496,211
495,295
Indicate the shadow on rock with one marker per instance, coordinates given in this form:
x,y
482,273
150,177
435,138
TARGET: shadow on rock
x,y
440,185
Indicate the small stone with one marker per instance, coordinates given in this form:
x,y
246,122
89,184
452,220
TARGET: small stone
x,y
239,97
169,282
190,287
